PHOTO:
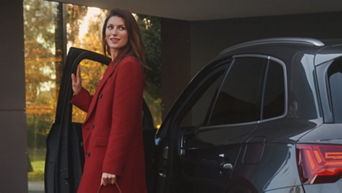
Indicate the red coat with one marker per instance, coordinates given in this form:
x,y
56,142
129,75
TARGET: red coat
x,y
112,131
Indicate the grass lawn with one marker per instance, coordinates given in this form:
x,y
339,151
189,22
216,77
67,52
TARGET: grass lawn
x,y
38,171
37,158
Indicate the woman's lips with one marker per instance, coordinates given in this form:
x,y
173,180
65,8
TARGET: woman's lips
x,y
114,40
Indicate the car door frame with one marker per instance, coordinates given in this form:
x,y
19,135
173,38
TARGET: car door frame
x,y
225,161
166,142
242,180
167,128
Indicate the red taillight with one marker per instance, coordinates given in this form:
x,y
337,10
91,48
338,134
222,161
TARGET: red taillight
x,y
319,163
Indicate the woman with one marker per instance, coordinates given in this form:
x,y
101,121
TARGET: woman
x,y
112,131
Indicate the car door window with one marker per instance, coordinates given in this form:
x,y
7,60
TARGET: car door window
x,y
274,95
198,107
240,97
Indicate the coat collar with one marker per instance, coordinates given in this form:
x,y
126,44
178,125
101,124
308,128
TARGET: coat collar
x,y
109,71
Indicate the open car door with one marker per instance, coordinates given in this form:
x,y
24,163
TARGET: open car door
x,y
64,156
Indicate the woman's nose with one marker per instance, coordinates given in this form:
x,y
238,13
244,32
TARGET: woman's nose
x,y
114,31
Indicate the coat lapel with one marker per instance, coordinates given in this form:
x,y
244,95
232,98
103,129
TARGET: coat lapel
x,y
104,79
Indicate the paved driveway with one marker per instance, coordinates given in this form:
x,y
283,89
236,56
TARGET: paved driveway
x,y
36,187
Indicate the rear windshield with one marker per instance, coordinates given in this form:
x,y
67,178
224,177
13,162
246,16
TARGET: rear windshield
x,y
335,87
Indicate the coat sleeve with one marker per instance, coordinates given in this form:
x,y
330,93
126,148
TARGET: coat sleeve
x,y
127,111
82,99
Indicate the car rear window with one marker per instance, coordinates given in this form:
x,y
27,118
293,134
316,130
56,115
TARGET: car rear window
x,y
335,89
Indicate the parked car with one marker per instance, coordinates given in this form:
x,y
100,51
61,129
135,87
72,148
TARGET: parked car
x,y
263,116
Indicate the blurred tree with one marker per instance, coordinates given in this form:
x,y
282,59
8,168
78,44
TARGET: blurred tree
x,y
39,43
41,63
150,32
40,19
89,39
39,26
75,14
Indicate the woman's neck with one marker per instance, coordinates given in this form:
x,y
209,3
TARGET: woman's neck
x,y
114,53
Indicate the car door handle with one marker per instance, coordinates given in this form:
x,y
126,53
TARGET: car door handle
x,y
226,166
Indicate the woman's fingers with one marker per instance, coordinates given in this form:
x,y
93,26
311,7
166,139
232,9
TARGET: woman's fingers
x,y
76,80
104,182
78,72
78,75
72,78
113,180
108,179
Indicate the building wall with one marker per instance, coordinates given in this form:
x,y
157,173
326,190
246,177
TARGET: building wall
x,y
175,59
208,38
13,159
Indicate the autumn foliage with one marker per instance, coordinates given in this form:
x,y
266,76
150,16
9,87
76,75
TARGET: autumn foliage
x,y
83,30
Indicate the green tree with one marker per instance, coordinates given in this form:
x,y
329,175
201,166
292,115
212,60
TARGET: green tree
x,y
39,43
41,70
39,36
75,14
150,32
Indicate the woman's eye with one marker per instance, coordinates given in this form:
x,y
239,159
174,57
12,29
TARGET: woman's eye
x,y
122,28
110,27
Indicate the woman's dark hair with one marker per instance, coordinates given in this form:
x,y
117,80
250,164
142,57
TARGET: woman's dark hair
x,y
134,45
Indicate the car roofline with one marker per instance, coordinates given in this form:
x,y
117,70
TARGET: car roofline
x,y
283,40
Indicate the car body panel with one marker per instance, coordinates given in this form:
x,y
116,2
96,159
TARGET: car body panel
x,y
267,154
210,157
325,134
327,187
292,189
276,169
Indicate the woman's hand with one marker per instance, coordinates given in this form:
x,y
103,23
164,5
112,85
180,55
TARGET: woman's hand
x,y
108,179
76,81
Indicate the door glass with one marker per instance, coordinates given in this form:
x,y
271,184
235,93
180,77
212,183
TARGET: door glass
x,y
239,98
192,169
335,78
274,98
197,110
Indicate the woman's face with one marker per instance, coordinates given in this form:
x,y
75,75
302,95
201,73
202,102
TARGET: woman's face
x,y
116,34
